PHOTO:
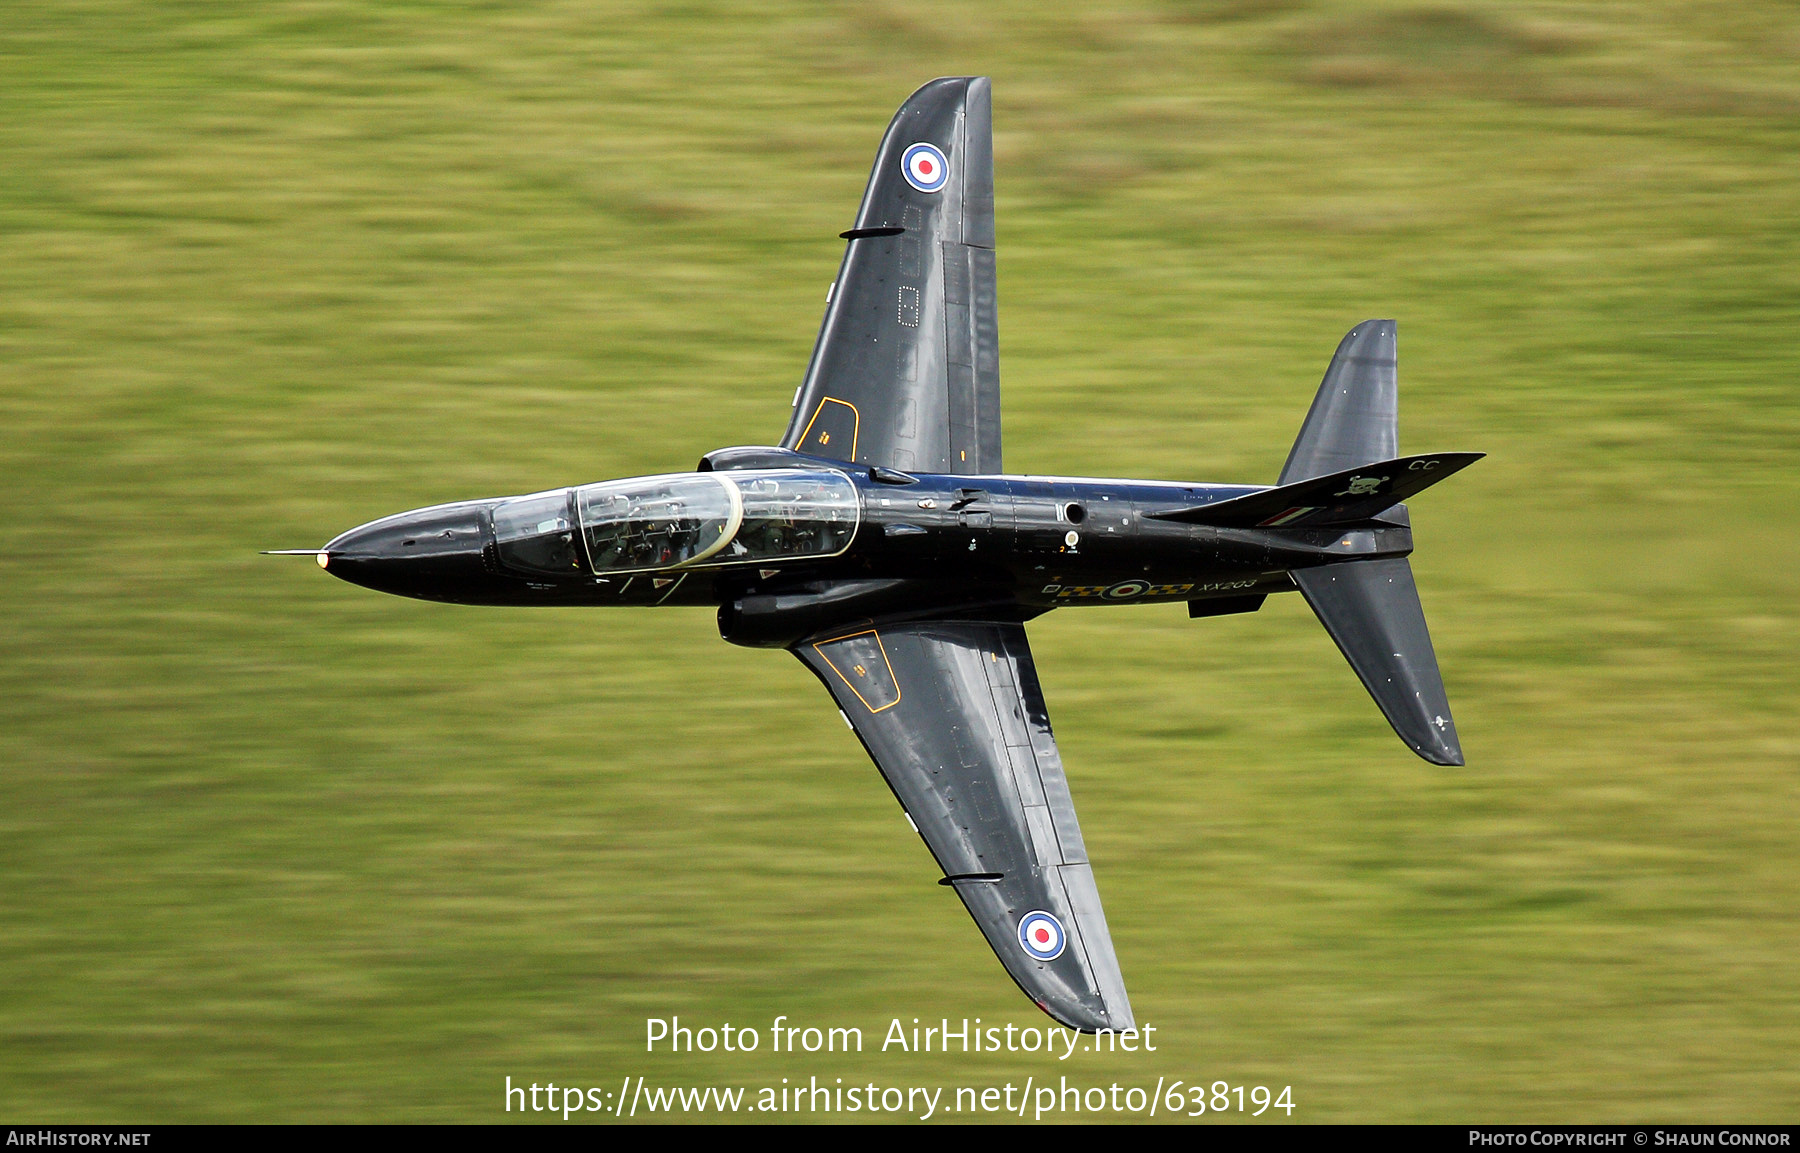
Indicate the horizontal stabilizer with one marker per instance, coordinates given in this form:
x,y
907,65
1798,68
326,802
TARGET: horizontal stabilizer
x,y
1371,609
1357,494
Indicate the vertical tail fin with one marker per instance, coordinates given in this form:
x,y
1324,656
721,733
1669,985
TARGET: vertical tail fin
x,y
1355,419
1371,608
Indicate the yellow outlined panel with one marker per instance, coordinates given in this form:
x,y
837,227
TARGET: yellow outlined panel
x,y
861,661
832,431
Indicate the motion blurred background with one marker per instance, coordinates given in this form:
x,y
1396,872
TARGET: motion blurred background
x,y
273,848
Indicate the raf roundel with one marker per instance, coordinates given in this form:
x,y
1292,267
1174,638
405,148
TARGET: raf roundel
x,y
1127,590
1042,936
924,167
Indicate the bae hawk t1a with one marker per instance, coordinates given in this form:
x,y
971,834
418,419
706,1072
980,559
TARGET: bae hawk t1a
x,y
883,544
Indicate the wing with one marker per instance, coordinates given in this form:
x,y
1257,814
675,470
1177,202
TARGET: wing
x,y
906,372
952,713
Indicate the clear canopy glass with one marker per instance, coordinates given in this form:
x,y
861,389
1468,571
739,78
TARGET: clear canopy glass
x,y
538,533
790,513
683,519
654,522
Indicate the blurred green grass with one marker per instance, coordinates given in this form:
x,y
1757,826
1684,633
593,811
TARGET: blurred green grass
x,y
273,848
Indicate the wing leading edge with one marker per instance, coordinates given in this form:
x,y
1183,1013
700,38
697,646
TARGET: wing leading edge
x,y
906,371
953,716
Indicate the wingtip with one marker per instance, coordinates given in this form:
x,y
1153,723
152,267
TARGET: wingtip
x,y
1084,1018
1450,756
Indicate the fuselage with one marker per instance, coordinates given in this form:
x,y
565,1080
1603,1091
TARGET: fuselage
x,y
784,545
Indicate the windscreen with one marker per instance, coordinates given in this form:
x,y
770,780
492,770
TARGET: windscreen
x,y
538,533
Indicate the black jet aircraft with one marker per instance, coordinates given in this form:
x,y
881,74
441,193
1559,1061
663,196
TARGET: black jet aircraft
x,y
883,543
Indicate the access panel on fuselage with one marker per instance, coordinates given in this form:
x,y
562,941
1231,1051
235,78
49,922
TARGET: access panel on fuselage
x,y
982,535
946,527
1074,535
1088,542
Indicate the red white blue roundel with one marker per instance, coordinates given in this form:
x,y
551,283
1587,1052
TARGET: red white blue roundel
x,y
925,167
1127,590
1042,935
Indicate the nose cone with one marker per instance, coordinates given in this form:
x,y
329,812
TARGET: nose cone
x,y
433,553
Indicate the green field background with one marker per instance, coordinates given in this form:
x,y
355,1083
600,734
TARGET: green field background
x,y
275,848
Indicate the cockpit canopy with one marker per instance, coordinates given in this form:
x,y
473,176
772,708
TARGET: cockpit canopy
x,y
681,519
